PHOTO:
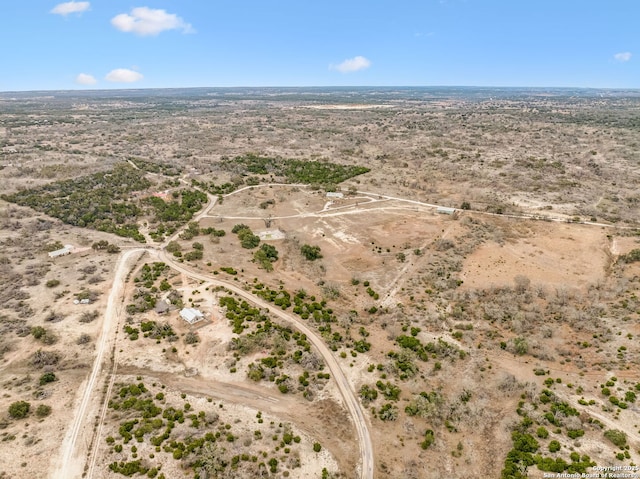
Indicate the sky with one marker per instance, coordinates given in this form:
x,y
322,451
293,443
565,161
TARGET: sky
x,y
107,44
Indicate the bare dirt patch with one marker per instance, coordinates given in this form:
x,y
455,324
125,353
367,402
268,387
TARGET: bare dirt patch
x,y
553,255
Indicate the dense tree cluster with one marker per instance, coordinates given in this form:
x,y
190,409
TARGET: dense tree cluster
x,y
102,201
293,170
266,255
283,169
99,201
157,167
247,239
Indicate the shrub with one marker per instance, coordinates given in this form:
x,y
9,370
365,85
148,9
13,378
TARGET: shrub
x,y
631,257
270,251
173,246
542,433
43,410
38,332
520,346
88,316
112,249
617,437
239,227
52,283
368,394
317,447
428,439
388,412
193,255
19,409
42,358
575,433
310,252
554,446
47,378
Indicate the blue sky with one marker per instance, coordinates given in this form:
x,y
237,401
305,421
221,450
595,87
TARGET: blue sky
x,y
98,44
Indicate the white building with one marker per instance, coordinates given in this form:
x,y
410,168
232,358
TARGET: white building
x,y
191,315
61,252
334,194
443,210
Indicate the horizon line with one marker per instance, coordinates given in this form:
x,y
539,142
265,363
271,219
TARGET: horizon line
x,y
246,87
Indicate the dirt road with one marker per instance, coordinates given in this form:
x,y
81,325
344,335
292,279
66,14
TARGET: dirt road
x,y
73,453
313,418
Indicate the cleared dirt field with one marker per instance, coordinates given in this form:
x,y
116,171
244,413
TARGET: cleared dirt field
x,y
555,255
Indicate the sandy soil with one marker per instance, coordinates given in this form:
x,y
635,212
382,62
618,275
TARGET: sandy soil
x,y
557,256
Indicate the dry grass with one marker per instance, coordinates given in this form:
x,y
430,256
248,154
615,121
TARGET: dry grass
x,y
514,295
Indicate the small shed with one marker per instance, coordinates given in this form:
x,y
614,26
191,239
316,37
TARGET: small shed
x,y
61,252
191,315
444,210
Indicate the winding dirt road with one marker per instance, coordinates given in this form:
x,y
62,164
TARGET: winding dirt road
x,y
72,460
73,453
349,397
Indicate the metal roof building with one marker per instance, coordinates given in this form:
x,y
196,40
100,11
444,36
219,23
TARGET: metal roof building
x,y
443,210
191,315
61,252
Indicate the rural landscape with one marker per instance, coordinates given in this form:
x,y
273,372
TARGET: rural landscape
x,y
320,283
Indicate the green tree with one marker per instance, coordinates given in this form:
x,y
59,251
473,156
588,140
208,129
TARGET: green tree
x,y
310,252
263,260
173,246
247,239
19,409
270,251
240,226
99,245
43,410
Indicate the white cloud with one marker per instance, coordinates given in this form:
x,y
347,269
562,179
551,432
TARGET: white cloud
x,y
352,65
85,79
623,56
70,7
122,75
145,21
